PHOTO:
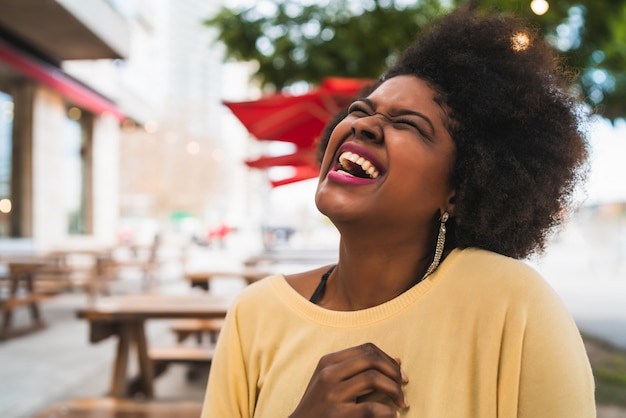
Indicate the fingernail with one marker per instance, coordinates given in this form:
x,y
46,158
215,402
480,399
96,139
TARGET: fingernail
x,y
405,378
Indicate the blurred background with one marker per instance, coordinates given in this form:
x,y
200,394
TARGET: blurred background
x,y
155,131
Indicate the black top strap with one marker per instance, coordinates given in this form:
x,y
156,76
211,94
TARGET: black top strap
x,y
321,286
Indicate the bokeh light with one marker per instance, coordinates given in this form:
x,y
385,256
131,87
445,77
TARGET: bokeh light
x,y
539,7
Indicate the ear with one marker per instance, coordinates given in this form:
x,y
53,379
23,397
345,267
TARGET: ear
x,y
451,204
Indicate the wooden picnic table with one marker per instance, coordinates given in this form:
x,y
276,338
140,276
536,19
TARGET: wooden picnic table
x,y
120,408
20,291
202,278
125,316
83,268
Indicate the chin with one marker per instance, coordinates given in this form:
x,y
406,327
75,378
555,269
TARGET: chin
x,y
336,208
321,201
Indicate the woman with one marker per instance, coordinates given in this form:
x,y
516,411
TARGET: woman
x,y
461,160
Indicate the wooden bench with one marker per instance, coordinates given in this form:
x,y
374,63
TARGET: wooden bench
x,y
162,357
17,290
7,306
183,328
70,270
118,408
181,354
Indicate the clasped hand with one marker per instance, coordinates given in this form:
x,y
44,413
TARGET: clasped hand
x,y
344,381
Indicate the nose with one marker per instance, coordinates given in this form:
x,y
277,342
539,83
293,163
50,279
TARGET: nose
x,y
368,128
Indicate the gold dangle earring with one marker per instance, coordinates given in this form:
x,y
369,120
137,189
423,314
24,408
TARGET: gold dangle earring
x,y
441,240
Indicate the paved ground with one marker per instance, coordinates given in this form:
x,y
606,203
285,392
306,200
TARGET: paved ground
x,y
58,363
587,268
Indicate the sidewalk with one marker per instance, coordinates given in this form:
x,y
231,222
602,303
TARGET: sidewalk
x,y
59,363
587,268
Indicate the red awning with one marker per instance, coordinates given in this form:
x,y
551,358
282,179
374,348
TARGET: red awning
x,y
299,158
53,77
296,119
301,173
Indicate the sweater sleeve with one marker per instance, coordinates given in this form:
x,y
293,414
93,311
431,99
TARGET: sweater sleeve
x,y
555,376
227,393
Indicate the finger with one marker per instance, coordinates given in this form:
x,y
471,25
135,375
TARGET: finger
x,y
339,356
372,409
372,382
405,378
368,356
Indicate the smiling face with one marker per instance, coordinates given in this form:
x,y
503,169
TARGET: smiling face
x,y
389,162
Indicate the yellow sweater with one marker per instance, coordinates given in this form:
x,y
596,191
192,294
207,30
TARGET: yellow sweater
x,y
484,336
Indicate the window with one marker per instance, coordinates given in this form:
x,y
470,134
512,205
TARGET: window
x,y
76,173
7,219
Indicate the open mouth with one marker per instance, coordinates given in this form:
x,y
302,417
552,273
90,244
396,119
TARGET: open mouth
x,y
357,166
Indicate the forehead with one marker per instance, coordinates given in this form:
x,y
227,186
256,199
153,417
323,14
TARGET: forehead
x,y
406,92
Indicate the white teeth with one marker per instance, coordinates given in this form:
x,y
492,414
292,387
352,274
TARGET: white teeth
x,y
366,165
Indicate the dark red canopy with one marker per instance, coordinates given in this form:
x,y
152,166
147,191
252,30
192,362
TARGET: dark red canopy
x,y
302,157
296,119
304,172
303,161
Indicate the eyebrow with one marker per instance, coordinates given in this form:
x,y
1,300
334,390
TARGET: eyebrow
x,y
402,112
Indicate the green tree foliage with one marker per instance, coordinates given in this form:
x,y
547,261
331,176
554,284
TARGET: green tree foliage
x,y
591,35
294,41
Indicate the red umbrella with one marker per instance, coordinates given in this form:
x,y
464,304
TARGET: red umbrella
x,y
304,172
302,157
296,119
303,161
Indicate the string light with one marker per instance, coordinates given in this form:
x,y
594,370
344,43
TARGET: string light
x,y
5,206
520,41
539,7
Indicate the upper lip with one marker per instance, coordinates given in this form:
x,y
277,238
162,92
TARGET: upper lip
x,y
360,150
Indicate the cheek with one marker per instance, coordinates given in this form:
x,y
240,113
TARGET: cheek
x,y
336,138
421,173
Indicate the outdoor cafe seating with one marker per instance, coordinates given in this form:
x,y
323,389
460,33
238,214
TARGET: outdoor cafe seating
x,y
118,408
192,316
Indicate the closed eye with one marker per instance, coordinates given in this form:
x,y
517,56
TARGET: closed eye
x,y
408,123
357,109
361,108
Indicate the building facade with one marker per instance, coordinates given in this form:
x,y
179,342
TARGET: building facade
x,y
59,138
111,118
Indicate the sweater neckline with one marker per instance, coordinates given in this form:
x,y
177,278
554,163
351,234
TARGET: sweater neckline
x,y
364,317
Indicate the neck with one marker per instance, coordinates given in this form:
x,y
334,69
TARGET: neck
x,y
371,272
